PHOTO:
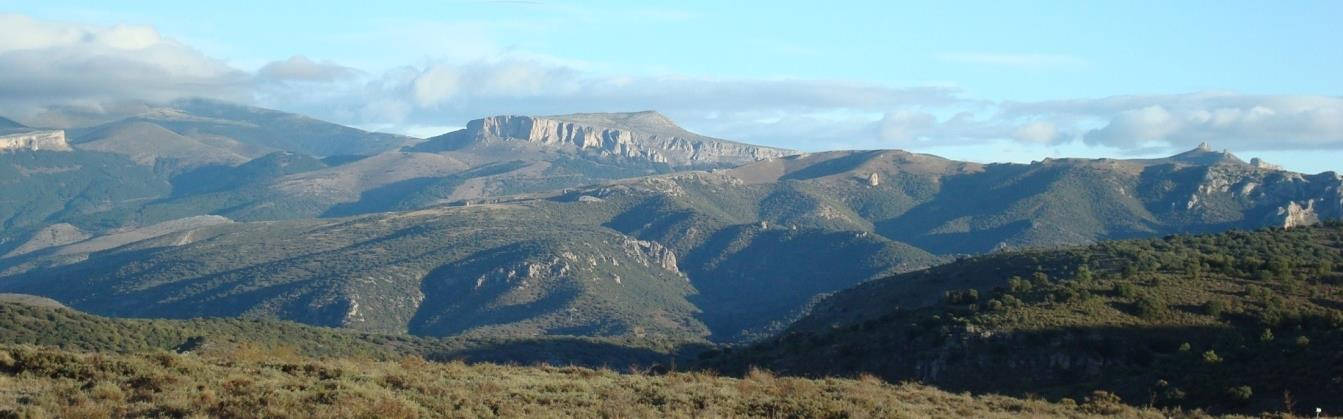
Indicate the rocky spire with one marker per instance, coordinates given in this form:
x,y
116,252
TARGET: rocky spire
x,y
1203,147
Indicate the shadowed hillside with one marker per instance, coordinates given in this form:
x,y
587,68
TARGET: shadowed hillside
x,y
1238,321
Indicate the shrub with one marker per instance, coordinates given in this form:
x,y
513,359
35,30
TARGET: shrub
x,y
960,297
1150,307
1240,393
1126,290
1103,403
1214,308
1210,357
1267,336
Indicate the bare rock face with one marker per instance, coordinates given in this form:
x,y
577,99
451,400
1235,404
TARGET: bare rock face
x,y
1297,215
642,135
35,140
873,179
1259,163
651,253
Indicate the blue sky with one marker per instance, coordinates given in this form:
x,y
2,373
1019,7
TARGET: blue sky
x,y
984,81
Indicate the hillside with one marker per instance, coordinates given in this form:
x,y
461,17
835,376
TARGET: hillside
x,y
45,187
588,263
43,381
1234,322
950,207
268,129
30,320
149,144
752,247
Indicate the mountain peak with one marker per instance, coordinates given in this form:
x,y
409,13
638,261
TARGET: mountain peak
x,y
1204,155
9,126
9,123
645,135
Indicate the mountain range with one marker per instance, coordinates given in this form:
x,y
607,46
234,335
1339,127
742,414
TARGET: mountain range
x,y
617,224
596,238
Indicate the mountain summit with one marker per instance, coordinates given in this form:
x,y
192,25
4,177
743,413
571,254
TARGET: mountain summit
x,y
647,135
1204,155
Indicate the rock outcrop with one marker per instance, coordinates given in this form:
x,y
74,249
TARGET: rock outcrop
x,y
641,135
53,140
651,253
1259,163
1296,215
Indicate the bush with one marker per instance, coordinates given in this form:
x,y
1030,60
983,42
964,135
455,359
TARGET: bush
x,y
1240,394
1210,357
1103,403
961,297
1214,308
1126,290
1149,307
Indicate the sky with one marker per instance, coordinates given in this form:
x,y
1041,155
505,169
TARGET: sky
x,y
983,81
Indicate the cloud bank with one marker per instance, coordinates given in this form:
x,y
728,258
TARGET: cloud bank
x,y
112,70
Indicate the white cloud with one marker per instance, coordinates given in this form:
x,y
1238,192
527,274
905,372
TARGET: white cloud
x,y
1037,132
301,69
905,125
84,71
1236,121
54,63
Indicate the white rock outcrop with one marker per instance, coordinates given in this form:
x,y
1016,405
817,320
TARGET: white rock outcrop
x,y
1297,215
53,140
660,141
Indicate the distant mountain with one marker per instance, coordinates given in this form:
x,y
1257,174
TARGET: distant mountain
x,y
641,136
950,207
725,241
270,129
507,155
672,257
191,133
200,147
9,126
153,145
1234,322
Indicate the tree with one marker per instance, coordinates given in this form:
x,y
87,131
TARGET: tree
x,y
1084,273
1211,357
1267,336
1214,308
1240,393
1150,307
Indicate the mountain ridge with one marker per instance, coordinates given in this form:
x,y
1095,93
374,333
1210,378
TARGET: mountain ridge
x,y
645,135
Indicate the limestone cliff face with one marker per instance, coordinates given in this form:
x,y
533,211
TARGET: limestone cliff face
x,y
649,136
35,140
1297,215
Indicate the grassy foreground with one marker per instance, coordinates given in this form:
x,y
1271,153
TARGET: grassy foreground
x,y
248,382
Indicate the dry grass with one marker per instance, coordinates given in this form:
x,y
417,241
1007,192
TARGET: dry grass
x,y
46,382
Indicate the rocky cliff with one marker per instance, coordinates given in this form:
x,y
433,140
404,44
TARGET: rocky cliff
x,y
640,135
34,140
